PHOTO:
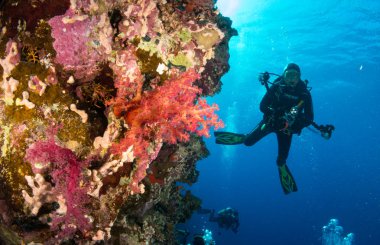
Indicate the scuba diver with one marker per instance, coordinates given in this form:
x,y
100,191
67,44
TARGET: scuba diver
x,y
227,218
287,108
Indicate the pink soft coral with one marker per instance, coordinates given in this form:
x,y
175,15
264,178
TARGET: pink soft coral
x,y
66,172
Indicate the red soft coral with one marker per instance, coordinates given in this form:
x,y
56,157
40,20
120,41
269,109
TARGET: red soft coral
x,y
167,114
173,111
66,172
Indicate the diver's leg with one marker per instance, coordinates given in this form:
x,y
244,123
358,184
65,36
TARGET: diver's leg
x,y
284,142
260,131
287,181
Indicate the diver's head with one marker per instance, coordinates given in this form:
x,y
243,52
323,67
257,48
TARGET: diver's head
x,y
198,240
292,74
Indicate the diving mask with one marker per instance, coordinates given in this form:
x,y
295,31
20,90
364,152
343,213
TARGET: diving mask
x,y
291,77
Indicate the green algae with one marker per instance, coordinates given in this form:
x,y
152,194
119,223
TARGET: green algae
x,y
181,60
184,35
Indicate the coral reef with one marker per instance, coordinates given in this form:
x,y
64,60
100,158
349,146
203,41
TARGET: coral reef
x,y
101,116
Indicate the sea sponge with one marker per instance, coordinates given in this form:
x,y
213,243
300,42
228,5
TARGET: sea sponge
x,y
208,37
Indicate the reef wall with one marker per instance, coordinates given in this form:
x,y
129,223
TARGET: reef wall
x,y
101,116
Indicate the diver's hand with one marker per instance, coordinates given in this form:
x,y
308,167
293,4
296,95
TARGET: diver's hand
x,y
263,77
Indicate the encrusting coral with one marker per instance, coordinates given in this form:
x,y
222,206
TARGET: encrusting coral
x,y
101,116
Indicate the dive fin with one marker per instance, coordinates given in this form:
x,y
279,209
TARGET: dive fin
x,y
227,138
287,181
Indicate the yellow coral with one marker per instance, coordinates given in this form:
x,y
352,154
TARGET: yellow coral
x,y
6,138
208,37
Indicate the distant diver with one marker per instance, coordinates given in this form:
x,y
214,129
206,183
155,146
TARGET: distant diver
x,y
227,218
287,108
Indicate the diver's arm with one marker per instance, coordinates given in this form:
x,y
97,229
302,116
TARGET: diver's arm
x,y
306,117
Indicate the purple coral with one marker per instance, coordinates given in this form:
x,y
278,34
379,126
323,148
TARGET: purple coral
x,y
72,34
66,172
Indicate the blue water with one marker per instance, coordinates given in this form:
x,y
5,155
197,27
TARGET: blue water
x,y
337,45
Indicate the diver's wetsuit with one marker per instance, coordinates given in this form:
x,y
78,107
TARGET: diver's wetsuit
x,y
278,100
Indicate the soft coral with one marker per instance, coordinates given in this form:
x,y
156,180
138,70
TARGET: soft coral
x,y
167,114
66,172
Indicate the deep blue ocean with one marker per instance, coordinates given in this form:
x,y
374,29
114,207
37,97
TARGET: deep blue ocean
x,y
337,46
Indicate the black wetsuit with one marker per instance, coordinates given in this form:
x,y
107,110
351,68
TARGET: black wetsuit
x,y
278,100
